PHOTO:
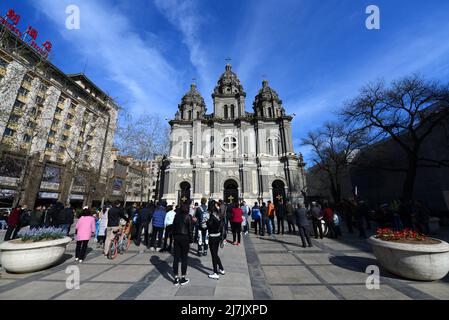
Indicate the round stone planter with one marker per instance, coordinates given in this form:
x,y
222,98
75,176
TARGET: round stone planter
x,y
425,262
31,257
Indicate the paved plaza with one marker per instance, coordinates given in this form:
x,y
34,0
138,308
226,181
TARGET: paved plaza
x,y
275,267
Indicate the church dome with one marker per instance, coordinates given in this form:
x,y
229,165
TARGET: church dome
x,y
193,97
267,102
192,105
229,84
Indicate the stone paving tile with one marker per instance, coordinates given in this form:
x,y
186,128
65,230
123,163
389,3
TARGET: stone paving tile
x,y
315,258
333,274
124,273
161,289
288,275
195,290
233,293
312,293
95,291
360,292
278,258
439,290
36,290
86,271
282,293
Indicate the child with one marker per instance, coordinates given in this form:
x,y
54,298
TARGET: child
x,y
85,228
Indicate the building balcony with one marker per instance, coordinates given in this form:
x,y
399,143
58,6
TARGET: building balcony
x,y
49,153
51,139
58,116
27,85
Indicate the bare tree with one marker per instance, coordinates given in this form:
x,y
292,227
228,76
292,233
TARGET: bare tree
x,y
334,146
406,112
143,140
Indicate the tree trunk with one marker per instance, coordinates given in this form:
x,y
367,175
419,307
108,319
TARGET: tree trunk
x,y
20,186
410,178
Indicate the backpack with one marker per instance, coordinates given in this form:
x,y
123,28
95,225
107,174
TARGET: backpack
x,y
255,215
204,218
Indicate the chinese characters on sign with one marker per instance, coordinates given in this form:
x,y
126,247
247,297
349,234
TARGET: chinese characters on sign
x,y
11,20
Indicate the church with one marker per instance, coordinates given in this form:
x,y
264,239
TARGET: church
x,y
232,154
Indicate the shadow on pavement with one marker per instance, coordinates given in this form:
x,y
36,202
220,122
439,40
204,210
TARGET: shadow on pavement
x,y
359,264
282,241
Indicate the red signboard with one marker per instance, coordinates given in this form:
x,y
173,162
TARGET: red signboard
x,y
11,20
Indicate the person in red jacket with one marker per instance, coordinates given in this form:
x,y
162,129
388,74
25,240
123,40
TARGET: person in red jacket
x,y
236,224
328,216
13,224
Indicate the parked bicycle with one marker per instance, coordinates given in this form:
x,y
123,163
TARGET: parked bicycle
x,y
121,241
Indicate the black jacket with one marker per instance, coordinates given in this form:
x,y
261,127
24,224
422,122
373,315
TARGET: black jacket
x,y
264,212
280,211
182,226
215,225
146,214
65,216
114,215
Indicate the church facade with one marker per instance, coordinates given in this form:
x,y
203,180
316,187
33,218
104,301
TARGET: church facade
x,y
232,154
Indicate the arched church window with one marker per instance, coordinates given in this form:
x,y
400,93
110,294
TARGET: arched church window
x,y
182,114
232,111
270,113
197,114
190,114
226,111
270,147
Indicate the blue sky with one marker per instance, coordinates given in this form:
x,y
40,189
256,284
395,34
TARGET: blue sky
x,y
316,54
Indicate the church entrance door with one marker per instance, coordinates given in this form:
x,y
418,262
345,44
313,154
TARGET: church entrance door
x,y
231,192
184,193
278,191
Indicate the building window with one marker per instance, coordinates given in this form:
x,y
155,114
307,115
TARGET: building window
x,y
232,112
39,100
3,63
18,104
9,132
229,143
270,113
67,127
52,133
73,106
61,149
23,91
27,79
225,112
69,116
31,125
14,118
61,100
58,111
43,88
65,138
56,122
26,138
33,110
49,145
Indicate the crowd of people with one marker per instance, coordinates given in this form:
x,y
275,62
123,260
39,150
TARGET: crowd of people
x,y
173,228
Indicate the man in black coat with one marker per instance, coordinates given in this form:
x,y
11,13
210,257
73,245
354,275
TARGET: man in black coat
x,y
280,215
65,218
303,225
145,217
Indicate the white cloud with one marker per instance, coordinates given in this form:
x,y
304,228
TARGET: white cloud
x,y
145,79
183,14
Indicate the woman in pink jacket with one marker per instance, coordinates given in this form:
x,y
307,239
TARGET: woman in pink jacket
x,y
236,224
85,228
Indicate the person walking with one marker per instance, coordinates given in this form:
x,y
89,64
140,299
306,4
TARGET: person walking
x,y
103,226
236,224
246,213
202,216
290,211
271,211
36,218
328,217
223,208
303,225
361,213
280,215
85,228
215,227
158,226
65,218
317,216
266,221
183,236
146,215
169,217
114,215
13,224
256,216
